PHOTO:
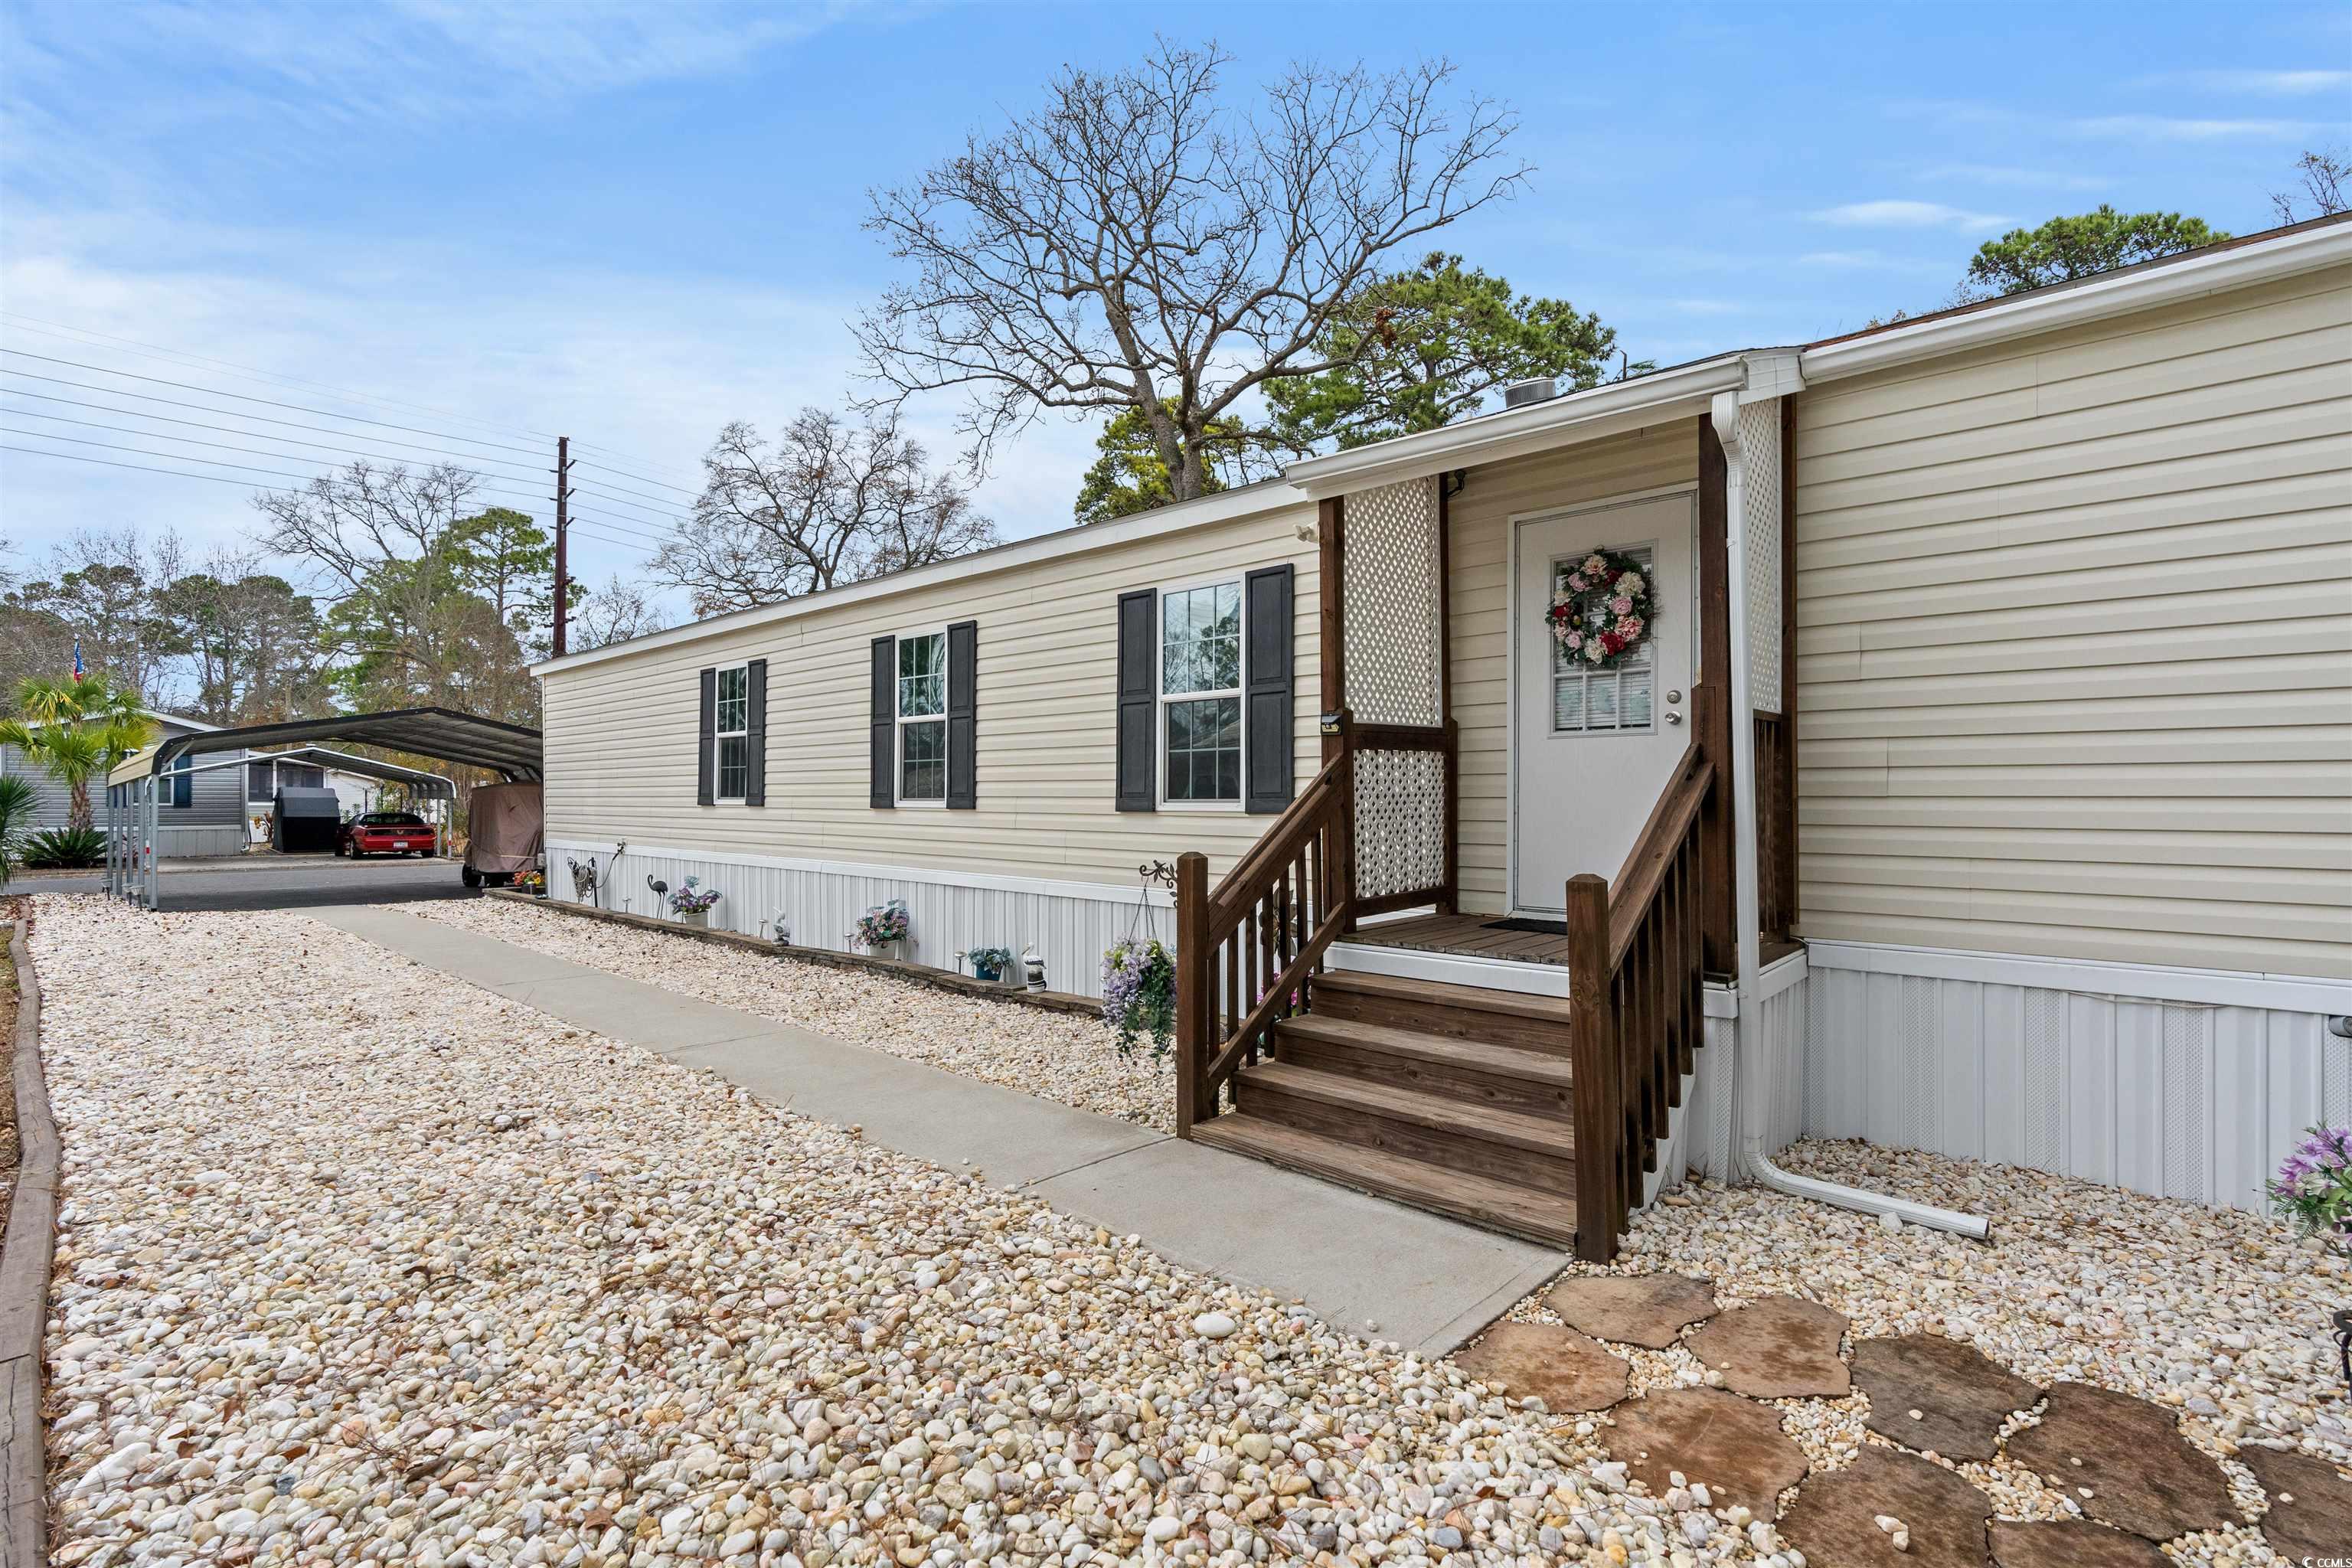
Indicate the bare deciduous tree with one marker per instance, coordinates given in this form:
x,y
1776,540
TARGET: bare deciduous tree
x,y
2324,174
828,502
616,612
1136,245
355,522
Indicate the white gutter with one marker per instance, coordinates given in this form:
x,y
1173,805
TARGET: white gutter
x,y
1533,427
1748,1086
2325,244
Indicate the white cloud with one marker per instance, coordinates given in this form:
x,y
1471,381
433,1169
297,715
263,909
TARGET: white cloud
x,y
2260,83
1903,214
2169,128
1873,261
2013,178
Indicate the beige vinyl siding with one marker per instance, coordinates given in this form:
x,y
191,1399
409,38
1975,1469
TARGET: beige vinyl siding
x,y
1657,457
621,734
2075,632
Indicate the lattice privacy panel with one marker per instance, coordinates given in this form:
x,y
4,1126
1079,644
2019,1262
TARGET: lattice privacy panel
x,y
1400,815
1393,605
1759,445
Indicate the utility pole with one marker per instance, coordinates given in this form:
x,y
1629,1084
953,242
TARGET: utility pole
x,y
563,538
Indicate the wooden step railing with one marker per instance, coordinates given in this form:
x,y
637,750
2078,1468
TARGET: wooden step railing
x,y
1636,971
1247,953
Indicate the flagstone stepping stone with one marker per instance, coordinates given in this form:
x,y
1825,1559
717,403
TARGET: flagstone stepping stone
x,y
1734,1445
1570,1373
2136,1469
1834,1520
2311,1505
2074,1544
1960,1396
1646,1309
1778,1348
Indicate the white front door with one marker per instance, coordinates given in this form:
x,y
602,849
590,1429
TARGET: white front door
x,y
1591,749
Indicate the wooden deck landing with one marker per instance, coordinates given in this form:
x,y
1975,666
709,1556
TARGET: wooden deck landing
x,y
1468,936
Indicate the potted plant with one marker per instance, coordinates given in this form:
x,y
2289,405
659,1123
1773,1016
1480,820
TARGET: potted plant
x,y
883,930
989,962
692,904
1140,995
535,884
2315,1190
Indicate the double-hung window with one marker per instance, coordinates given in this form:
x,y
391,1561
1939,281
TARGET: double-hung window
x,y
1201,694
730,733
922,719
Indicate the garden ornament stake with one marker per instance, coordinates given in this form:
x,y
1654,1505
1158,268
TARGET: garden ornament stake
x,y
661,893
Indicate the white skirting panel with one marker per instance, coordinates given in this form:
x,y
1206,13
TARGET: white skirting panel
x,y
2171,1097
1707,1132
1070,924
200,843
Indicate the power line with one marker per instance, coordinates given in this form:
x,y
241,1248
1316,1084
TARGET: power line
x,y
228,429
634,506
266,402
225,447
170,355
681,490
230,413
215,478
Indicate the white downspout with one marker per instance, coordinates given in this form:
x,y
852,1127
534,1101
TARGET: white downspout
x,y
1748,1086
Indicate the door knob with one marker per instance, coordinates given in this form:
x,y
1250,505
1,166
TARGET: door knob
x,y
1673,718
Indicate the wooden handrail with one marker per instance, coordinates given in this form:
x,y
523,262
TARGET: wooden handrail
x,y
1636,959
1247,950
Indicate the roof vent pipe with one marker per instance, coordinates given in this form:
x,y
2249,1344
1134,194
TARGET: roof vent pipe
x,y
1519,394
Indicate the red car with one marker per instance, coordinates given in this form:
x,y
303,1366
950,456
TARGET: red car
x,y
386,832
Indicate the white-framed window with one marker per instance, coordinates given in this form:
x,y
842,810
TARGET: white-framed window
x,y
1201,694
923,718
730,734
1619,701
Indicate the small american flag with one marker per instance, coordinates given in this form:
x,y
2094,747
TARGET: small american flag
x,y
78,669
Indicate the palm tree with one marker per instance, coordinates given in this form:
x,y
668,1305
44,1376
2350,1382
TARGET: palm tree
x,y
18,801
78,731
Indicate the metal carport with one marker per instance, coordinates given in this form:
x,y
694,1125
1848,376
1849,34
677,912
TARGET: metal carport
x,y
510,750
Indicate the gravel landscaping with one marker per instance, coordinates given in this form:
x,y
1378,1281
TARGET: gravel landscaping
x,y
1059,1056
357,1265
2217,1318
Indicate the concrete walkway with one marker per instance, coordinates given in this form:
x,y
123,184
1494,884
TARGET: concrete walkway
x,y
1427,1282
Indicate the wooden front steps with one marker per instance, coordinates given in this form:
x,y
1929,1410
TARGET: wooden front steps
x,y
1449,1098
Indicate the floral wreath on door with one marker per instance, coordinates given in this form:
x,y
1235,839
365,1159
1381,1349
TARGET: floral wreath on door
x,y
1601,609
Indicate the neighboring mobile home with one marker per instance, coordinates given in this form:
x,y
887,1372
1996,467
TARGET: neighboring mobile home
x,y
200,817
1981,783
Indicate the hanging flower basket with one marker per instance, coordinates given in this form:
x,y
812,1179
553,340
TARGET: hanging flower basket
x,y
1140,995
1602,611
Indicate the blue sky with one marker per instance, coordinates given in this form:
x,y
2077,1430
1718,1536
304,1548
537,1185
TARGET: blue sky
x,y
634,223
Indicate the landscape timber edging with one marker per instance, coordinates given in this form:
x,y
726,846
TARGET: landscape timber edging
x,y
899,968
24,1259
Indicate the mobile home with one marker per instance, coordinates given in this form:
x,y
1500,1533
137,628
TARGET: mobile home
x,y
1977,776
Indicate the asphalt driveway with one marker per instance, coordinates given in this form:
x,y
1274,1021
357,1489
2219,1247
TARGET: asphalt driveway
x,y
275,882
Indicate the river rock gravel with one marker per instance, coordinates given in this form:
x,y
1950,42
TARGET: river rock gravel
x,y
2220,1317
1056,1056
358,1264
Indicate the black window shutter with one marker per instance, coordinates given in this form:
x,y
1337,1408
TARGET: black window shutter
x,y
883,751
180,782
1139,689
1265,737
963,690
755,734
704,791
